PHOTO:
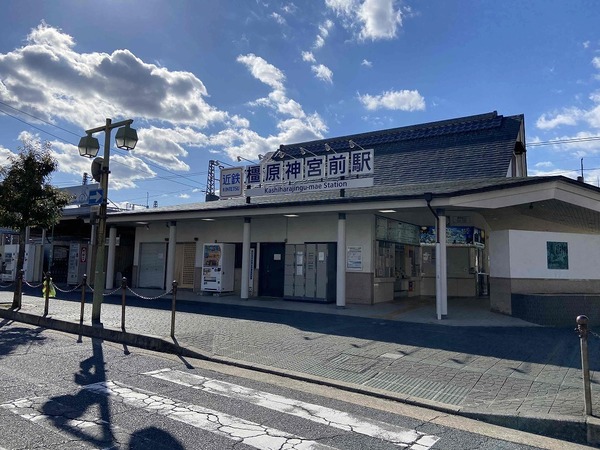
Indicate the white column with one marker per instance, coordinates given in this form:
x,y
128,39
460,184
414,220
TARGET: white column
x,y
171,253
110,259
245,259
443,264
341,262
438,276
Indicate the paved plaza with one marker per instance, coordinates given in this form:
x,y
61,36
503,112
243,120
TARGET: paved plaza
x,y
475,362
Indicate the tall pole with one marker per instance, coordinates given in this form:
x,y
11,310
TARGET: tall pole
x,y
99,273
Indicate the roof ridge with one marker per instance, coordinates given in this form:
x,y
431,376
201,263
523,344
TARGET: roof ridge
x,y
408,129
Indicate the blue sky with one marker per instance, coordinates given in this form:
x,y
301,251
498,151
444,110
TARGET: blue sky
x,y
220,79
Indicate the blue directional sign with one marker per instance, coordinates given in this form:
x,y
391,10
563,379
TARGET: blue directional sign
x,y
95,197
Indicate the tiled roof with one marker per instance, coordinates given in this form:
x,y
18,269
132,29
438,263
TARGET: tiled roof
x,y
457,149
458,155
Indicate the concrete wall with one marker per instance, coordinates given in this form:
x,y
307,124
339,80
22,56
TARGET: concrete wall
x,y
519,265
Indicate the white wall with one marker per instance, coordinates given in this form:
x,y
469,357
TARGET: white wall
x,y
294,230
526,252
499,251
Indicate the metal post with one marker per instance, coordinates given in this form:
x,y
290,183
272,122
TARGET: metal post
x,y
582,330
83,284
173,308
19,286
47,293
99,274
123,290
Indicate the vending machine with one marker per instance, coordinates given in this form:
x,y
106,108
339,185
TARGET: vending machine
x,y
218,264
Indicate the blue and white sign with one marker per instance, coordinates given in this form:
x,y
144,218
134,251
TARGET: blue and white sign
x,y
80,194
96,197
231,182
310,174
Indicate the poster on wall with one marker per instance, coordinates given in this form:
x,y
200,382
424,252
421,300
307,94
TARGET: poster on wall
x,y
557,255
354,258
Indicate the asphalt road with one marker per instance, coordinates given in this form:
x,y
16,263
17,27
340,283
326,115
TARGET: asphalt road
x,y
60,393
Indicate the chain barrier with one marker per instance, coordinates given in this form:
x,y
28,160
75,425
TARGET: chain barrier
x,y
8,285
34,286
89,287
66,291
111,293
149,298
594,334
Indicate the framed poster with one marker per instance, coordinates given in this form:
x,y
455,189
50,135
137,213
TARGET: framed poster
x,y
354,258
557,255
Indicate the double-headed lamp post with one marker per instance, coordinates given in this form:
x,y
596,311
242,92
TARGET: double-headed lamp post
x,y
126,138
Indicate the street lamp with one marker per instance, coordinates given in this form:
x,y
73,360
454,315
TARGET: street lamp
x,y
241,158
304,151
329,149
126,138
353,144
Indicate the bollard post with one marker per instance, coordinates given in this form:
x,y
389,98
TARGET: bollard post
x,y
20,286
582,330
46,293
123,290
173,308
83,283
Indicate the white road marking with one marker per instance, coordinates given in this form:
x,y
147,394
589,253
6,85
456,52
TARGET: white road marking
x,y
240,430
397,435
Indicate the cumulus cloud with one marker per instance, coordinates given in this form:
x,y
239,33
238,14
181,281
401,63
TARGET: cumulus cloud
x,y
404,100
548,121
323,72
366,63
48,78
374,19
263,71
308,57
572,116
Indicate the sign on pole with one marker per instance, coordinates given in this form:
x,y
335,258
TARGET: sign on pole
x,y
96,196
80,194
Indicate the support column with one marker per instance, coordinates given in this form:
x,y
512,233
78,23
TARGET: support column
x,y
443,263
245,259
171,253
340,297
110,259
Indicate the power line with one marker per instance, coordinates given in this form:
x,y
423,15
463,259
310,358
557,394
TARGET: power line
x,y
564,141
175,175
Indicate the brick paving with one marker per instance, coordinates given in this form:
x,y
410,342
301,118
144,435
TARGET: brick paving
x,y
514,369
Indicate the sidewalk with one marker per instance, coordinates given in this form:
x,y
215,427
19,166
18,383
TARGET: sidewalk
x,y
475,363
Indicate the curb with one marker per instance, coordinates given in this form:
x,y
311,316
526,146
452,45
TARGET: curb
x,y
577,430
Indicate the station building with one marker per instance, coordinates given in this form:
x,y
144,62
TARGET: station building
x,y
442,209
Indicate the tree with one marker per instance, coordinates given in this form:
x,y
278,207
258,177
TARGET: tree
x,y
26,197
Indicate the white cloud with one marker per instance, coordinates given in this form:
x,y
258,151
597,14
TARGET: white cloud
x,y
375,19
262,70
278,18
550,121
366,63
323,72
380,19
586,44
323,33
290,8
404,100
308,57
596,62
49,78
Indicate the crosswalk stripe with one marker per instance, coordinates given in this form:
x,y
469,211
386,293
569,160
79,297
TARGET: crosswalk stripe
x,y
30,409
240,430
397,435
